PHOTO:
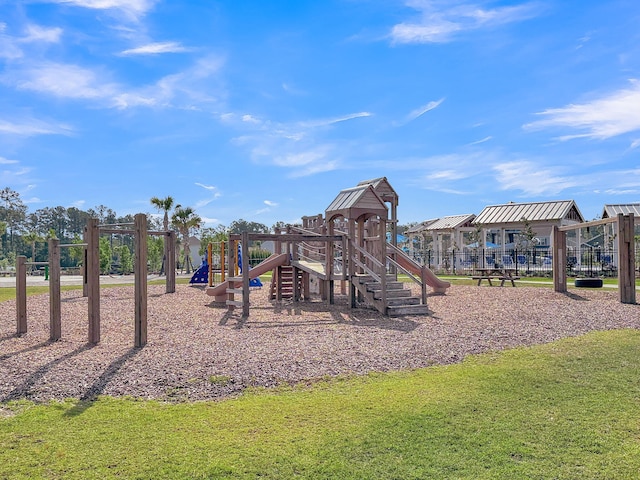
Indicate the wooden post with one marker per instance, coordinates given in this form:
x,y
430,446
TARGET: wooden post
x,y
245,274
170,264
85,281
21,295
210,264
423,284
626,259
559,253
383,259
92,272
222,251
55,323
329,270
140,280
351,253
295,285
231,269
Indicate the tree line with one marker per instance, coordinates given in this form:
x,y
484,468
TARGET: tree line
x,y
24,232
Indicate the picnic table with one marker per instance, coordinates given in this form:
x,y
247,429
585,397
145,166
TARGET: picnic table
x,y
490,274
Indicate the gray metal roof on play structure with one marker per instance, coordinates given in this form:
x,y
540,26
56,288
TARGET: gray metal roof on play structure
x,y
535,211
613,210
353,202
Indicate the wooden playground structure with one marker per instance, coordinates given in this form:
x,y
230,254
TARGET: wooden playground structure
x,y
91,274
347,244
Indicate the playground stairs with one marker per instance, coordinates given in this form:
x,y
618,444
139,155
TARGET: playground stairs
x,y
282,282
399,299
235,287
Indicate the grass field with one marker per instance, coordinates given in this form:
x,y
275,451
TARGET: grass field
x,y
565,410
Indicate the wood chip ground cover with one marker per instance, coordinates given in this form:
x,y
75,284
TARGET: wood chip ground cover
x,y
200,351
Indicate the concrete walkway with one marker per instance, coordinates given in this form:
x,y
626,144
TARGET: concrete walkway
x,y
38,280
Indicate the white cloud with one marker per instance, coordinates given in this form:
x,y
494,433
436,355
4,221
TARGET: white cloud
x,y
532,179
482,140
299,147
269,203
6,161
442,20
155,48
61,80
133,9
14,176
612,191
180,90
211,188
418,112
250,119
31,127
447,175
209,220
36,33
303,163
611,115
191,85
300,159
331,121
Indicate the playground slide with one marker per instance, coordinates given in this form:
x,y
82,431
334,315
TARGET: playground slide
x,y
438,285
270,263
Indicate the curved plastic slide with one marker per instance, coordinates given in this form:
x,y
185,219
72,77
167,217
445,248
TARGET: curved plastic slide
x,y
430,278
275,260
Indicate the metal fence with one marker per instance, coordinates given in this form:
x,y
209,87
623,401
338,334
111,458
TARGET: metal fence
x,y
585,261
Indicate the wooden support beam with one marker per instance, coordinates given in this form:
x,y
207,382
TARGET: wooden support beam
x,y
170,261
287,237
55,314
21,295
92,272
626,259
296,285
140,280
559,254
245,274
383,258
593,223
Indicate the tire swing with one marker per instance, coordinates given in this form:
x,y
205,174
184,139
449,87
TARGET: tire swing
x,y
588,282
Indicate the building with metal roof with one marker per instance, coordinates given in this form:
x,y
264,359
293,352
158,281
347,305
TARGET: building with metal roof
x,y
612,210
564,211
504,224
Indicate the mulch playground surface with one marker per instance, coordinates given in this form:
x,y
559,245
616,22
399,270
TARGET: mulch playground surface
x,y
200,351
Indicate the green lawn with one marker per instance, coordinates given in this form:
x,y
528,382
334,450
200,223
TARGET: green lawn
x,y
565,410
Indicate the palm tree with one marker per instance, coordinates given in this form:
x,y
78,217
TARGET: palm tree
x,y
184,219
164,204
32,238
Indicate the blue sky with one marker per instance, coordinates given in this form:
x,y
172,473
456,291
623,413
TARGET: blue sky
x,y
266,110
